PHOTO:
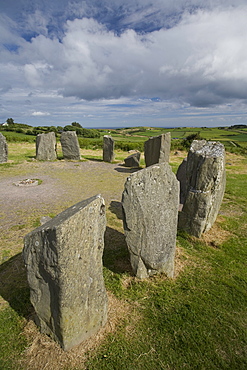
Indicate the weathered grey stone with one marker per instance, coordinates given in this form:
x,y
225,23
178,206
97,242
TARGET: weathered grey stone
x,y
133,160
45,219
150,206
3,149
70,145
205,179
64,268
108,149
46,147
157,149
181,176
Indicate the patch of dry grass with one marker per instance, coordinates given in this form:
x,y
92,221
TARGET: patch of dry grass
x,y
44,353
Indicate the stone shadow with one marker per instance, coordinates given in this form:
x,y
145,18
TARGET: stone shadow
x,y
116,208
123,169
116,254
92,159
14,286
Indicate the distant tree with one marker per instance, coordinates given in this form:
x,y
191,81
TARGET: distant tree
x,y
52,128
188,140
10,121
76,124
69,128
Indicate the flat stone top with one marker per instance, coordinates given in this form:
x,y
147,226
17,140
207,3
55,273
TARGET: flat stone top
x,y
67,213
207,148
44,134
68,133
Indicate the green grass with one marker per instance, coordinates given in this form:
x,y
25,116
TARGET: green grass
x,y
12,342
12,136
196,321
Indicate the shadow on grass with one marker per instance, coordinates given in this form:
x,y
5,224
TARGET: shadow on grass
x,y
123,169
14,287
116,208
93,159
116,255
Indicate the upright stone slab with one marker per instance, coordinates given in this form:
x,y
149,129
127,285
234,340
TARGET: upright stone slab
x,y
205,179
70,145
133,160
46,147
150,206
181,176
157,149
64,268
3,149
108,149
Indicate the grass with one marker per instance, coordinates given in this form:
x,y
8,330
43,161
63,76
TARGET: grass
x,y
197,320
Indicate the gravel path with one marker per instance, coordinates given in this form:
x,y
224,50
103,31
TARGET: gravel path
x,y
64,183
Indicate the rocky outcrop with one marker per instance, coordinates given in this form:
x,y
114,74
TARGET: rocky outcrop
x,y
150,206
205,186
63,258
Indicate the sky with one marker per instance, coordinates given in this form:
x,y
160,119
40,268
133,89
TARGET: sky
x,y
124,63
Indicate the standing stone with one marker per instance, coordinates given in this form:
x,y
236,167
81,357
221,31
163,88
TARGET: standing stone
x,y
205,179
181,176
64,268
46,147
108,149
133,160
3,149
70,145
150,206
157,149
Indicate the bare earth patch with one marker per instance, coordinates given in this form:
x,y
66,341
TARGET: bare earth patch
x,y
216,235
44,353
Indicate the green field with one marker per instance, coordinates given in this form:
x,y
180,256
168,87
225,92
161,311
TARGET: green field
x,y
234,139
198,320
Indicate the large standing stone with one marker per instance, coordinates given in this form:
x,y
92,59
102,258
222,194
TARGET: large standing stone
x,y
157,149
46,147
150,204
64,268
108,149
181,176
133,160
3,149
205,182
70,145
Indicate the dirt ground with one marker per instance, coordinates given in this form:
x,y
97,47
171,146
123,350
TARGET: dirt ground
x,y
62,184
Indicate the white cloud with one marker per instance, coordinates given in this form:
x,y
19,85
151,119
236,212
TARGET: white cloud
x,y
205,52
200,61
40,114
